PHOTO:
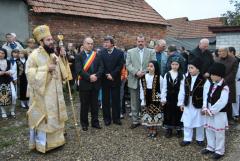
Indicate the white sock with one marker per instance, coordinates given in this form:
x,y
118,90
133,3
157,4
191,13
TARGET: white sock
x,y
23,104
4,115
13,108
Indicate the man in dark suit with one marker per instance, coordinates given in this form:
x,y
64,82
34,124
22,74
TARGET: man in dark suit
x,y
113,60
90,69
204,55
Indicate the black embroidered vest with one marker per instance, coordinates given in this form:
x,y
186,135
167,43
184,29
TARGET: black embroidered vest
x,y
6,78
154,91
172,87
197,91
216,95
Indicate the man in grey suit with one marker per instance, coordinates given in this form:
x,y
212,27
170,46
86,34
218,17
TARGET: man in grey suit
x,y
136,63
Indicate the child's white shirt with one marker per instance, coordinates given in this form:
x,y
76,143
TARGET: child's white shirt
x,y
164,86
3,63
221,102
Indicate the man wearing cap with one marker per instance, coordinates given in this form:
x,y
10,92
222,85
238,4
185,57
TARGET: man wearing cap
x,y
47,112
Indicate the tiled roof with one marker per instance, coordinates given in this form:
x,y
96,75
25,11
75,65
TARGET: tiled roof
x,y
126,10
221,29
183,28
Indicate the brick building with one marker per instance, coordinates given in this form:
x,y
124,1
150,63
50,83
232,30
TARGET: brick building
x,y
75,19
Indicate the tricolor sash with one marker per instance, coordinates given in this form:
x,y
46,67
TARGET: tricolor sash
x,y
88,62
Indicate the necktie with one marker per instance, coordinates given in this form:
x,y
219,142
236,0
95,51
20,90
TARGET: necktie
x,y
141,57
109,51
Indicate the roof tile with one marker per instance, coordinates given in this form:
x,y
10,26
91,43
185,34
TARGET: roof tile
x,y
126,10
183,28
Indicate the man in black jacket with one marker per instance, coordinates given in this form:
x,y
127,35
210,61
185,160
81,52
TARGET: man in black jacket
x,y
90,69
113,60
204,55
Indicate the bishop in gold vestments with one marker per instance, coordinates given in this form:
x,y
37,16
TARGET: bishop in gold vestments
x,y
47,113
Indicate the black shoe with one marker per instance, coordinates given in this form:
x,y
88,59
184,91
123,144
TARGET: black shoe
x,y
217,156
185,143
107,123
235,118
200,143
168,133
97,126
133,126
84,128
117,122
179,133
206,151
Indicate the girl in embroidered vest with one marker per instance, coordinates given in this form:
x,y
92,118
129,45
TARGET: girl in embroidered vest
x,y
190,101
7,89
152,116
13,61
169,95
215,108
22,79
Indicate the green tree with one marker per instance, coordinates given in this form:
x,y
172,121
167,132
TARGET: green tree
x,y
232,18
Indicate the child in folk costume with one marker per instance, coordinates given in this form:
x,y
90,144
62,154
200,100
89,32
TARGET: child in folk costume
x,y
7,89
152,116
13,61
214,108
169,96
22,79
190,101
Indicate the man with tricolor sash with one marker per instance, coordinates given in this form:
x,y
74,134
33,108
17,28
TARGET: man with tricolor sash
x,y
89,68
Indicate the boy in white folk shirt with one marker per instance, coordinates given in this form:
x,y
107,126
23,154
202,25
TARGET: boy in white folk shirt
x,y
190,101
214,108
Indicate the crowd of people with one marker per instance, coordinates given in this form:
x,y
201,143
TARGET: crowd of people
x,y
169,87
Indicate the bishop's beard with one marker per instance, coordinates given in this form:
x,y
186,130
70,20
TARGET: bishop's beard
x,y
48,48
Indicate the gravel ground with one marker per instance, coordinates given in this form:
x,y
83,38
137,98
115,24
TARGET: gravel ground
x,y
113,143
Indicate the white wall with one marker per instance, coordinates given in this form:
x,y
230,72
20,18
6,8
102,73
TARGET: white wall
x,y
229,39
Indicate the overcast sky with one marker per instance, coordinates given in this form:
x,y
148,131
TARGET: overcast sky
x,y
193,9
